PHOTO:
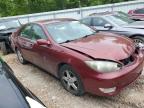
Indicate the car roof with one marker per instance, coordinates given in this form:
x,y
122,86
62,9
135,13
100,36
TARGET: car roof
x,y
49,21
104,13
138,8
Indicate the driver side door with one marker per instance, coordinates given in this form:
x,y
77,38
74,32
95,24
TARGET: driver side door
x,y
38,33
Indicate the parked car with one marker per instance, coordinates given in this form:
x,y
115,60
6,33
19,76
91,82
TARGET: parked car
x,y
6,29
12,93
137,14
116,12
84,60
115,22
123,14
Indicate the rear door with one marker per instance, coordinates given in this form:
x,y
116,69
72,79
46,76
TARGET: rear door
x,y
25,42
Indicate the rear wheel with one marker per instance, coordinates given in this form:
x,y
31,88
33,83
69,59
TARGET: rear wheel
x,y
139,41
20,57
70,80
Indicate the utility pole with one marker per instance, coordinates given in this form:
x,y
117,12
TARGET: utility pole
x,y
80,9
112,7
62,4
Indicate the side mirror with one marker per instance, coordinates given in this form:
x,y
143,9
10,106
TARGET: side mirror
x,y
109,26
43,42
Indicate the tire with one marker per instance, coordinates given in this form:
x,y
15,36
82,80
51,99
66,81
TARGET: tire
x,y
137,40
70,80
20,57
4,48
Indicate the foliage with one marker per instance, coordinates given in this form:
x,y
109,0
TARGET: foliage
x,y
19,7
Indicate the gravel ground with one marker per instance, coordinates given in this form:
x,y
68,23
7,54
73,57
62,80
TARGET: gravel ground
x,y
49,90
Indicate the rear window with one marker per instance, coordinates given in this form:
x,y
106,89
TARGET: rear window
x,y
139,11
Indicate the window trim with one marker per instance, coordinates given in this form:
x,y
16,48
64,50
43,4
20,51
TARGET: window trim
x,y
41,29
85,19
101,18
31,24
20,33
135,11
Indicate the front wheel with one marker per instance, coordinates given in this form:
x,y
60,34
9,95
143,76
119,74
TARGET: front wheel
x,y
70,80
139,41
20,57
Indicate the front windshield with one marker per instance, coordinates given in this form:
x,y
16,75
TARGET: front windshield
x,y
68,30
9,24
120,19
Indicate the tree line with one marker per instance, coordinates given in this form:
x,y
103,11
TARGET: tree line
x,y
20,7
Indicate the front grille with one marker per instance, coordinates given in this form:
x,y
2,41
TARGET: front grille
x,y
127,60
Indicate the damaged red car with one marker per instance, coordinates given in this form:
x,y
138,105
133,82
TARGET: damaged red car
x,y
84,60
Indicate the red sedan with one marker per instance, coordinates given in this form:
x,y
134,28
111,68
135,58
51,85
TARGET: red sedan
x,y
137,14
84,60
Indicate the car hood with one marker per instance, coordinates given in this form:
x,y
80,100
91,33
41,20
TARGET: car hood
x,y
102,46
8,31
136,24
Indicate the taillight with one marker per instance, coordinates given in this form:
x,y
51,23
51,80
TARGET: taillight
x,y
130,12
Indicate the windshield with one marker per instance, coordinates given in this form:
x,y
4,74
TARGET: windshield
x,y
9,24
68,30
120,19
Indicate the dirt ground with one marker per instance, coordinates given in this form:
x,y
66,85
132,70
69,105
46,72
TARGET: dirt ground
x,y
50,91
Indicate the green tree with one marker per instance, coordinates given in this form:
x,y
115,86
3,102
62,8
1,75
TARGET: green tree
x,y
6,7
18,7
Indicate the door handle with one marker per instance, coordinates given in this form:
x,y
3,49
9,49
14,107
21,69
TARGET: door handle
x,y
31,44
28,45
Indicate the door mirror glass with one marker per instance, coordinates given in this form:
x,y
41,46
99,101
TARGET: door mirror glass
x,y
109,26
43,42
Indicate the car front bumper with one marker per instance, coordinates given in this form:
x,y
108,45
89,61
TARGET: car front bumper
x,y
109,84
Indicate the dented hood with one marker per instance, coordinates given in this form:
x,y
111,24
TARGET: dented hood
x,y
102,46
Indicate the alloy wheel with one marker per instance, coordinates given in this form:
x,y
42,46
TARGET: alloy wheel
x,y
20,57
139,43
70,81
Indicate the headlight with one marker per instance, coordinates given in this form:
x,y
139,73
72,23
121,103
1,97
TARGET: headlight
x,y
104,66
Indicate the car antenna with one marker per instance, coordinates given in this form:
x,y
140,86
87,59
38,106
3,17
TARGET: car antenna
x,y
19,22
28,19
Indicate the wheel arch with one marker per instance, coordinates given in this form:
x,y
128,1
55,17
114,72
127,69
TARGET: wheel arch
x,y
134,35
59,66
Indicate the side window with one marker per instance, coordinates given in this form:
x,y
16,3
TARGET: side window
x,y
38,33
86,21
99,21
139,11
26,32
